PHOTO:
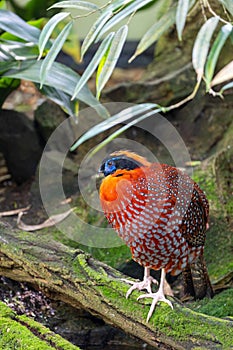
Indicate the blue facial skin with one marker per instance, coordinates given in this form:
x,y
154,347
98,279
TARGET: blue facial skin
x,y
109,167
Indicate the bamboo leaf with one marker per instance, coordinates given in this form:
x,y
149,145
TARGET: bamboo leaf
x,y
226,73
228,5
226,87
181,14
155,32
93,64
92,34
118,118
55,49
15,25
216,48
202,44
48,29
59,76
80,5
122,129
100,22
128,10
110,59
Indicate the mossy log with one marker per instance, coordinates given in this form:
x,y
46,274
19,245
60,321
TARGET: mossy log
x,y
21,332
83,282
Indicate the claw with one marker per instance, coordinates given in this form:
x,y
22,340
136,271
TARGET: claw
x,y
159,296
145,284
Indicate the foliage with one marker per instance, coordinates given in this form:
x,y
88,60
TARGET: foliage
x,y
208,44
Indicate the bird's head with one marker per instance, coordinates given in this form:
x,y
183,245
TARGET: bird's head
x,y
122,160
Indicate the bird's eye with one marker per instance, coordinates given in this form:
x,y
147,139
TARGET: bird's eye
x,y
110,162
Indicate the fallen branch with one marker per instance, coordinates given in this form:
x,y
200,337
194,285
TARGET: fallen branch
x,y
79,280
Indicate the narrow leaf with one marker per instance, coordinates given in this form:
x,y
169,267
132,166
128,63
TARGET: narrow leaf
x,y
94,31
93,64
181,14
15,25
55,49
48,29
202,44
59,76
118,118
119,16
215,51
226,73
228,5
80,5
122,129
100,22
105,71
155,32
226,87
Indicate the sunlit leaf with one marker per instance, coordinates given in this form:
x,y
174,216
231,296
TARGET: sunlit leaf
x,y
226,87
80,5
119,16
106,14
59,76
228,5
202,44
15,25
104,72
181,14
118,118
226,73
92,34
18,50
48,29
123,129
154,33
55,49
215,51
93,64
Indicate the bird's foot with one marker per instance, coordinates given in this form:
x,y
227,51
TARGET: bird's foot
x,y
145,284
158,296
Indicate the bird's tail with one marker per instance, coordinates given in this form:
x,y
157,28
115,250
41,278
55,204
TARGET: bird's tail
x,y
196,280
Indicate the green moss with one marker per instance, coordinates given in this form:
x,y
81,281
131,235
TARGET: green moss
x,y
21,332
220,306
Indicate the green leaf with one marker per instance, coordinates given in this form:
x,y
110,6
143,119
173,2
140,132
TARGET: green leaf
x,y
118,118
80,5
61,98
55,49
121,130
18,50
59,76
13,24
93,64
100,22
48,29
216,48
110,59
92,34
228,4
181,14
119,16
226,87
202,44
155,32
226,73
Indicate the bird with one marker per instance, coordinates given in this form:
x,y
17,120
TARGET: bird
x,y
162,216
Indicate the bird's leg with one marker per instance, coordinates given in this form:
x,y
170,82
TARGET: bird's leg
x,y
158,296
145,284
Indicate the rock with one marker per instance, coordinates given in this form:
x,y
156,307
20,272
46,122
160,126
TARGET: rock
x,y
19,144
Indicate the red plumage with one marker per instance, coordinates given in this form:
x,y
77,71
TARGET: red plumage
x,y
158,210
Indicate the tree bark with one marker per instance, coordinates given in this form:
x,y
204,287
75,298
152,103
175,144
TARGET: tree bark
x,y
79,280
